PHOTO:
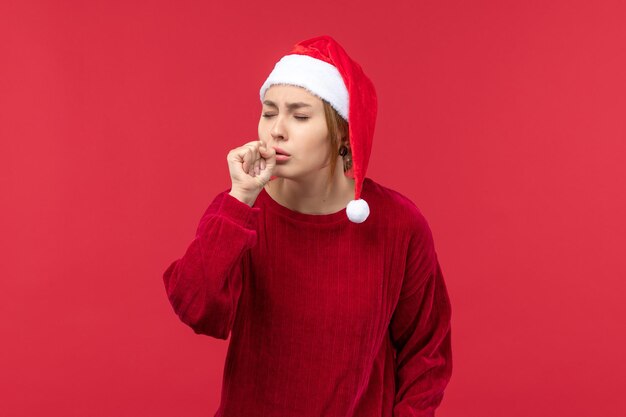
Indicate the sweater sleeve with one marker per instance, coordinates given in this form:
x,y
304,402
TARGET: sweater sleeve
x,y
204,285
420,331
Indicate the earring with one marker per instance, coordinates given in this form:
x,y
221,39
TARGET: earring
x,y
347,158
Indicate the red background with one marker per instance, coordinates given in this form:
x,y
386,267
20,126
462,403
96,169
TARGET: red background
x,y
503,121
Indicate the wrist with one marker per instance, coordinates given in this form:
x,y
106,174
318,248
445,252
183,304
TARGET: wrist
x,y
246,199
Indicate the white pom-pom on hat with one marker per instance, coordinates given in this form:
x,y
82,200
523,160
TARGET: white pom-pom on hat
x,y
358,210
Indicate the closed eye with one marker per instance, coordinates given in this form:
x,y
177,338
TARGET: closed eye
x,y
267,116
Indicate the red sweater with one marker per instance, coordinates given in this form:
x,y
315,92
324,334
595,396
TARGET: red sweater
x,y
326,317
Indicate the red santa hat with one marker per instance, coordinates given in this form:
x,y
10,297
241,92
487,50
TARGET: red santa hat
x,y
322,66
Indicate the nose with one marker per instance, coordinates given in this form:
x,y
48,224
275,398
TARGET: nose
x,y
278,132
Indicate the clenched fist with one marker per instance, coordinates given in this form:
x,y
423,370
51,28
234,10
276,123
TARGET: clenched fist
x,y
251,166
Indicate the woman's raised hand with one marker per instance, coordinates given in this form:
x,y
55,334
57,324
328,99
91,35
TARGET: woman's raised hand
x,y
250,167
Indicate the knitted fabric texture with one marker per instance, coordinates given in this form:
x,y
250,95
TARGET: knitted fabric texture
x,y
325,317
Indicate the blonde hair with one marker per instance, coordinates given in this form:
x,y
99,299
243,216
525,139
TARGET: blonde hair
x,y
337,129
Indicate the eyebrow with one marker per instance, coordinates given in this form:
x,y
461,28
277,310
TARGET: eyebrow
x,y
290,106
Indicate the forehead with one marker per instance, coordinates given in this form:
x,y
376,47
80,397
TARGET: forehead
x,y
279,93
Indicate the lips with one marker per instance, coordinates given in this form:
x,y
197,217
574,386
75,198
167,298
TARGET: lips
x,y
280,151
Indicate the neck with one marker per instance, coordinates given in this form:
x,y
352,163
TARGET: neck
x,y
313,195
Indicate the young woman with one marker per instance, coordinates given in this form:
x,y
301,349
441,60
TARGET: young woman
x,y
327,282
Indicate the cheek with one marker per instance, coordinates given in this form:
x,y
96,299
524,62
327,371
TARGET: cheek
x,y
316,135
317,152
319,144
